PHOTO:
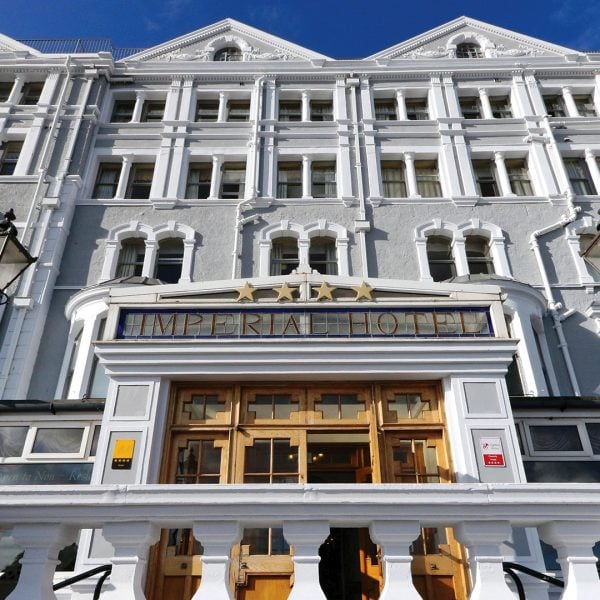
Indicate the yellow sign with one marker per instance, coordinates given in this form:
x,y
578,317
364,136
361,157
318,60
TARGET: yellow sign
x,y
123,454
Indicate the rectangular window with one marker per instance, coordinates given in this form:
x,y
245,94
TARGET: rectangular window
x,y
470,107
131,260
5,90
10,156
271,461
555,106
107,180
290,110
58,441
122,111
555,438
31,93
207,110
198,181
289,180
321,110
393,178
340,406
416,109
585,105
485,177
238,111
12,441
140,182
501,107
428,178
323,180
579,176
518,175
385,109
233,180
152,111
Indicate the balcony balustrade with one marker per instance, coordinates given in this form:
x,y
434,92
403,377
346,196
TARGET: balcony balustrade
x,y
43,518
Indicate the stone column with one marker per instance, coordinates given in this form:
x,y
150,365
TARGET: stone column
x,y
395,538
305,106
215,177
217,538
520,99
486,107
437,107
503,179
592,164
140,98
306,178
411,176
573,542
124,177
401,105
150,258
131,542
483,540
223,99
306,537
42,542
15,93
571,107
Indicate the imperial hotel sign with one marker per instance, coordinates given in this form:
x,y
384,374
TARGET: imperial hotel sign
x,y
288,323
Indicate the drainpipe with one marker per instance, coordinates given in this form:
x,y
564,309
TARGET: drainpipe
x,y
362,225
555,307
239,220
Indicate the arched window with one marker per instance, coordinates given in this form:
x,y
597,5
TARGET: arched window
x,y
169,260
440,259
228,54
479,260
284,255
131,258
468,50
322,256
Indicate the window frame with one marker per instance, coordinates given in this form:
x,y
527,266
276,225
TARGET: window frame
x,y
385,109
421,179
137,263
238,110
132,182
451,262
323,166
233,166
515,179
10,161
393,165
119,114
287,115
286,166
472,113
321,116
469,50
498,112
491,179
169,259
30,95
198,167
417,109
115,167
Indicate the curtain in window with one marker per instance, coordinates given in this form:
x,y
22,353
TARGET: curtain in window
x,y
289,180
108,180
323,180
578,176
131,258
518,174
394,184
428,179
198,184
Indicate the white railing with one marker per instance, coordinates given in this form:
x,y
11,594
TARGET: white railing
x,y
43,518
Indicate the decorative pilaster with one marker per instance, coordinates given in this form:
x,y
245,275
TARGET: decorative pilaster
x,y
401,105
140,98
223,99
570,105
503,179
124,177
215,177
592,164
305,106
486,107
306,178
411,175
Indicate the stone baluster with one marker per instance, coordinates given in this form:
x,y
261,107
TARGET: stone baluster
x,y
573,542
131,542
483,541
42,543
306,537
217,538
395,538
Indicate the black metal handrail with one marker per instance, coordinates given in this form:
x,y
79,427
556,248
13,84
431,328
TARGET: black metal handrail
x,y
104,569
511,567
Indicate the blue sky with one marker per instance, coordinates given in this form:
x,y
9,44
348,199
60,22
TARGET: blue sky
x,y
337,28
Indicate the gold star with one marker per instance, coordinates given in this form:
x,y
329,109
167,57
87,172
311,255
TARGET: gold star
x,y
245,292
363,291
285,292
324,291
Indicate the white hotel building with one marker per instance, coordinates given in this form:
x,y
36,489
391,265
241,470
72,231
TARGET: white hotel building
x,y
344,300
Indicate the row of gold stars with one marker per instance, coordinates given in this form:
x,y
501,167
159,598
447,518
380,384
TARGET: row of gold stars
x,y
285,292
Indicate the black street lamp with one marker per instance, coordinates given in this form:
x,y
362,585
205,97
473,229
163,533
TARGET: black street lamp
x,y
14,258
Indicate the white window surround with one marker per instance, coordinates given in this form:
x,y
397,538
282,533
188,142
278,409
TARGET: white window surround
x,y
572,233
303,233
467,37
152,237
127,161
457,234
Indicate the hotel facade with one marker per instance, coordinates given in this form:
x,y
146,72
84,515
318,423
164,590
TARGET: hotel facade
x,y
352,304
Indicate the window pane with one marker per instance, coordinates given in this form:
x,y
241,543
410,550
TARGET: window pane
x,y
12,440
51,441
285,458
258,457
555,438
207,110
562,471
257,540
416,110
385,110
122,111
290,110
593,430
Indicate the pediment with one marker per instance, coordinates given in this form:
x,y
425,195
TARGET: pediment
x,y
495,42
10,46
201,45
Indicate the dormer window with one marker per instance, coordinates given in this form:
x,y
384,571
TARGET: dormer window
x,y
228,54
469,50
